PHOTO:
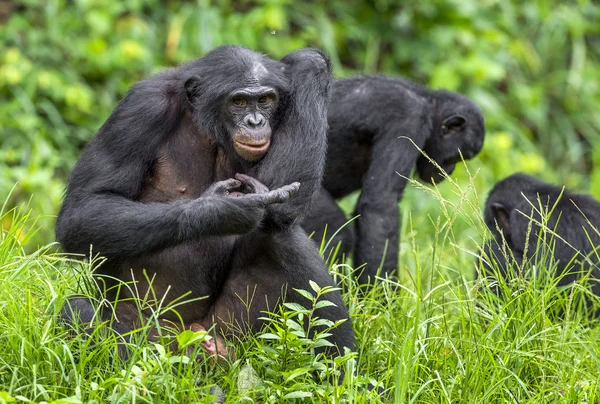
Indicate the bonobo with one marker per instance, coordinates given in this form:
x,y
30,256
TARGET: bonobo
x,y
197,184
371,119
514,211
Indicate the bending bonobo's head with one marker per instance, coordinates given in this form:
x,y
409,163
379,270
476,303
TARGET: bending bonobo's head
x,y
237,97
458,124
501,202
516,192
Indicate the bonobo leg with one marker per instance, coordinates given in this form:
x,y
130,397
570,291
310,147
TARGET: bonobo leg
x,y
79,311
326,213
267,270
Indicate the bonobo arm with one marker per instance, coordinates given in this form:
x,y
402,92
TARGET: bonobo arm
x,y
391,158
100,206
298,147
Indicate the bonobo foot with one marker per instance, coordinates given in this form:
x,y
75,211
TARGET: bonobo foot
x,y
215,346
81,315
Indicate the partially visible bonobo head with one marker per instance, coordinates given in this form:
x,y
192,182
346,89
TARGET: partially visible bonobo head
x,y
518,193
458,124
504,211
504,198
236,95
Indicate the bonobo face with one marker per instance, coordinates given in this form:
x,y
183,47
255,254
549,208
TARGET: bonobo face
x,y
458,128
235,97
248,116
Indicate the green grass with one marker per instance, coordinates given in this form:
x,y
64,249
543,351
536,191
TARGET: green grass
x,y
433,336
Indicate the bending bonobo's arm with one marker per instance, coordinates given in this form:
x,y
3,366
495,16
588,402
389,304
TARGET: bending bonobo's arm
x,y
297,153
100,206
382,188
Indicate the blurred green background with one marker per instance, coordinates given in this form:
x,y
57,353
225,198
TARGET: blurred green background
x,y
533,67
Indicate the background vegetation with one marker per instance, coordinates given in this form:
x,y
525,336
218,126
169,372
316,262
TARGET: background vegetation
x,y
533,67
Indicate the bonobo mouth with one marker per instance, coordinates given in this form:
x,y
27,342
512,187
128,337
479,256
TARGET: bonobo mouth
x,y
429,172
448,167
252,151
451,161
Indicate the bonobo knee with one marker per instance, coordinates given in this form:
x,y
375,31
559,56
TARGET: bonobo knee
x,y
77,310
81,315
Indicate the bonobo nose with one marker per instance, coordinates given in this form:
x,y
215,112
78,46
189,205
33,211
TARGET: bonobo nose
x,y
255,121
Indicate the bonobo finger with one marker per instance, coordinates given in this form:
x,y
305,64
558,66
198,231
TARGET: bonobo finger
x,y
251,185
280,195
223,187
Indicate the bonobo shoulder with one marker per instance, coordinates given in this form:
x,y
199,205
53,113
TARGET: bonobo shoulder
x,y
384,94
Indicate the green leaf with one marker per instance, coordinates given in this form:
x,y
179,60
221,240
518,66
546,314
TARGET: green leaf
x,y
189,337
322,322
269,336
314,286
296,307
322,343
7,398
68,400
298,394
294,325
324,303
306,294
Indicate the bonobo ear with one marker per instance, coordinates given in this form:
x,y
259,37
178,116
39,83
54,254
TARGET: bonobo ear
x,y
192,88
453,123
502,216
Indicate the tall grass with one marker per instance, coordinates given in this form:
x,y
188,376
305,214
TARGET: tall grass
x,y
435,334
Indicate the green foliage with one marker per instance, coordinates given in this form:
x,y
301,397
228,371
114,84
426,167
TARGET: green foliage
x,y
434,334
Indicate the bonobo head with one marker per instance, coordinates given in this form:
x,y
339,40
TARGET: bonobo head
x,y
458,124
502,216
517,192
236,96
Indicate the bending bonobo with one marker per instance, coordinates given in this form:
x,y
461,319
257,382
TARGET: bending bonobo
x,y
371,119
201,176
513,212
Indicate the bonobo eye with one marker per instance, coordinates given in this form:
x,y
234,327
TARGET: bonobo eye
x,y
265,99
238,102
453,124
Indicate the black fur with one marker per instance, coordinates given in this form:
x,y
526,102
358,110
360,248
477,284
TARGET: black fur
x,y
368,116
157,189
521,202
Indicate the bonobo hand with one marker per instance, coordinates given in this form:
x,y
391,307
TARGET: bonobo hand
x,y
232,206
251,189
254,189
251,185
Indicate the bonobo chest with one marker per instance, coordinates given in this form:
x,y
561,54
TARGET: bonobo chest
x,y
184,166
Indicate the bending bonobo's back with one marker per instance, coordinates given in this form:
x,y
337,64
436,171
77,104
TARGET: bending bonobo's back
x,y
362,107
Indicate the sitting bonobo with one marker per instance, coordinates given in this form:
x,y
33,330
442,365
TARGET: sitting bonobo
x,y
196,186
376,127
514,212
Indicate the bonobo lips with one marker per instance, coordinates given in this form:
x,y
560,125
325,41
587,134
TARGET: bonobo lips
x,y
252,151
429,172
448,167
